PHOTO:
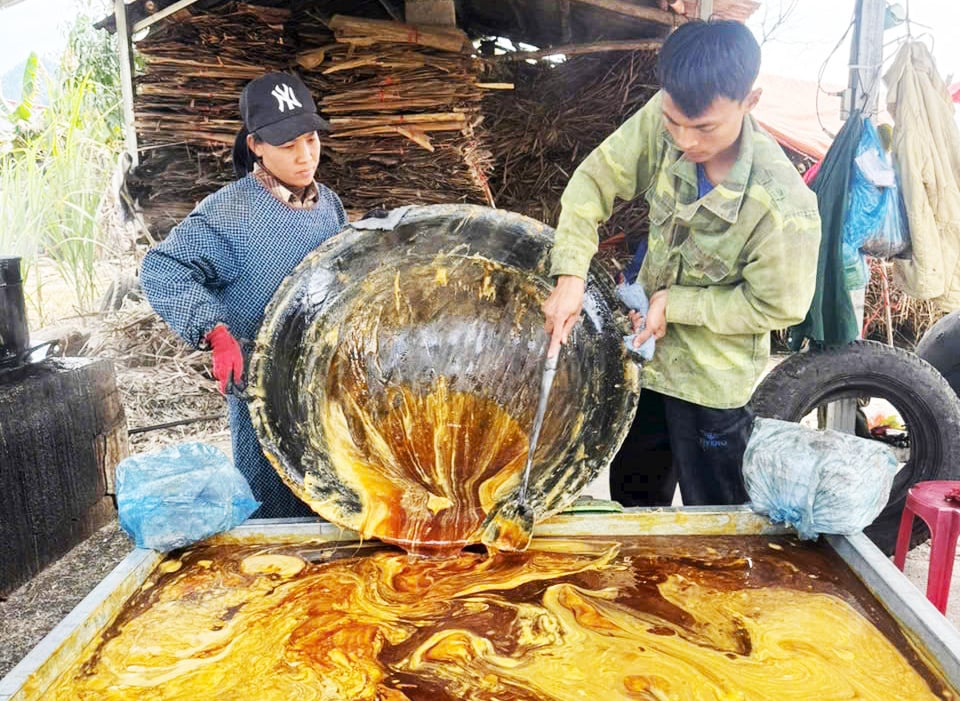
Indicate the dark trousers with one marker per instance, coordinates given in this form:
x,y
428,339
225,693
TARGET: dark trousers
x,y
672,440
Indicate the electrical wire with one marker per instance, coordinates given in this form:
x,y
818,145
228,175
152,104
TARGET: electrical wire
x,y
823,69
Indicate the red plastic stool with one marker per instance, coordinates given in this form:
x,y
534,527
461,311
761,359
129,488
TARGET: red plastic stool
x,y
942,516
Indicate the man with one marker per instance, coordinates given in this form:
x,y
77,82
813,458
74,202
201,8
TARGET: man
x,y
732,254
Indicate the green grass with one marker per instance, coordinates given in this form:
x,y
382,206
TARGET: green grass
x,y
52,187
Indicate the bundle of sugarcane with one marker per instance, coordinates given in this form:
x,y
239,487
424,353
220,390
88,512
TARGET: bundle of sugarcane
x,y
890,314
195,64
404,106
557,114
396,172
171,180
191,96
361,31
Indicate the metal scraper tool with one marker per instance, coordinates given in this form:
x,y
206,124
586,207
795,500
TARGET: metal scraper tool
x,y
510,526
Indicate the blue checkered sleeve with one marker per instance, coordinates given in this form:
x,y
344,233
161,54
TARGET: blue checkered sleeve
x,y
183,275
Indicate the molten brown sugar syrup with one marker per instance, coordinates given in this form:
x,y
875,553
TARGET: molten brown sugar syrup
x,y
686,618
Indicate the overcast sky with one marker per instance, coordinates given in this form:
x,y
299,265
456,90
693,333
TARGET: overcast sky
x,y
27,27
801,45
797,49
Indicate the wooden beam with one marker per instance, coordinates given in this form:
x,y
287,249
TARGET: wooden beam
x,y
125,58
157,16
563,6
629,9
577,49
364,32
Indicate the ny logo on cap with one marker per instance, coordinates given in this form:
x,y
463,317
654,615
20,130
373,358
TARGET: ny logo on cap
x,y
286,99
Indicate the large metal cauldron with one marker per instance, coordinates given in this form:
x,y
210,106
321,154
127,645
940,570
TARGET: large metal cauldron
x,y
396,373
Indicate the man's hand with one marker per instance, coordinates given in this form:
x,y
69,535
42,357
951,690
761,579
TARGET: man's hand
x,y
656,319
227,357
562,310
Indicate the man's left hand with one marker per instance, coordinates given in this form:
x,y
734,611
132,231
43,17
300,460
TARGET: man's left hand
x,y
656,319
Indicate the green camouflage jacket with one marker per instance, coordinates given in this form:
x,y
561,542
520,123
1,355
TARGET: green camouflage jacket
x,y
738,263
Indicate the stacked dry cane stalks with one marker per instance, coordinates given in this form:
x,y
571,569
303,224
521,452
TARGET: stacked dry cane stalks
x,y
558,114
404,104
889,313
195,66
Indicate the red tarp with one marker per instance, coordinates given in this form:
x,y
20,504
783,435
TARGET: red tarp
x,y
788,110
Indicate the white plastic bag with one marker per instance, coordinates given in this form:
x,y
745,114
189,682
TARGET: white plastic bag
x,y
816,481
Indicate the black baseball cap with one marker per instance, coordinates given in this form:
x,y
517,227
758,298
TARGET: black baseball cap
x,y
278,108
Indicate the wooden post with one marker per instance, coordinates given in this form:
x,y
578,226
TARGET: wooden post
x,y
566,32
434,12
706,9
866,57
125,55
866,61
842,416
62,433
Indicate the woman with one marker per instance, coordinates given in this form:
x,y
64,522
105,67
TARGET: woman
x,y
213,276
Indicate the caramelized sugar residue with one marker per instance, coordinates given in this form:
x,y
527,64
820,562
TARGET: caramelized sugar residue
x,y
430,469
659,618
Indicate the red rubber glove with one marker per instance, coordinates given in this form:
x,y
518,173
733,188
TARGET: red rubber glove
x,y
227,357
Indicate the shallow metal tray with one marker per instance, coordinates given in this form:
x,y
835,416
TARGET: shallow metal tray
x,y
933,636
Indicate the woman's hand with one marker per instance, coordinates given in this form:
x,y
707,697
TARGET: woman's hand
x,y
227,357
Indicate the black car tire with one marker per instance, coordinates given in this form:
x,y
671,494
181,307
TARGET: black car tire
x,y
927,404
940,346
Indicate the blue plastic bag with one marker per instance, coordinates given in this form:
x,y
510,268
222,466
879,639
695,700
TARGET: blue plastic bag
x,y
633,296
816,481
875,222
180,495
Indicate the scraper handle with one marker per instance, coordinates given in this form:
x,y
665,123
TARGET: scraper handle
x,y
549,371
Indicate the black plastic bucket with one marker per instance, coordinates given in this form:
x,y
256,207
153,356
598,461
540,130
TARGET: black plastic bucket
x,y
14,333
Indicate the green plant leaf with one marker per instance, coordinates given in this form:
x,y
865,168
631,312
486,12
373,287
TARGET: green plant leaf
x,y
29,89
